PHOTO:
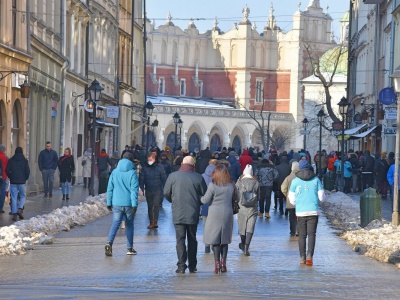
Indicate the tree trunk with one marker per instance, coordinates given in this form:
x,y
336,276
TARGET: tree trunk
x,y
329,105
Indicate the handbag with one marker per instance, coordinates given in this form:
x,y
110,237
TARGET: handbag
x,y
249,199
235,200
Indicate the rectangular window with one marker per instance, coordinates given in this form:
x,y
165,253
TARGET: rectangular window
x,y
200,88
183,87
259,90
161,86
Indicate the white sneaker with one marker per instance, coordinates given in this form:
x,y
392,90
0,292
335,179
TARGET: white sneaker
x,y
122,226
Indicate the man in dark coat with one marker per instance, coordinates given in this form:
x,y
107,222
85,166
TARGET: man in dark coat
x,y
234,167
18,172
368,164
284,171
184,189
202,161
48,161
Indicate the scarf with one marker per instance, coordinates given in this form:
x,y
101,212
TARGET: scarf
x,y
103,154
62,158
186,168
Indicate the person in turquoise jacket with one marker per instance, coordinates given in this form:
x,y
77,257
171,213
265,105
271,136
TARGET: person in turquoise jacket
x,y
305,192
347,173
122,200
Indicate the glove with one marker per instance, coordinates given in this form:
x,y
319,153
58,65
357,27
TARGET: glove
x,y
134,209
109,207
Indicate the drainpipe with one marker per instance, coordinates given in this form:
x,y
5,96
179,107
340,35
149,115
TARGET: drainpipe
x,y
63,71
374,90
116,121
28,49
144,69
392,30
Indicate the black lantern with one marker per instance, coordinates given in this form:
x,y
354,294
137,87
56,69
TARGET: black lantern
x,y
176,118
25,89
149,108
343,106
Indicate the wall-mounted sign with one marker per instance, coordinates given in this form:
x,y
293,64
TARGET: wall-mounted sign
x,y
390,131
112,112
387,96
391,113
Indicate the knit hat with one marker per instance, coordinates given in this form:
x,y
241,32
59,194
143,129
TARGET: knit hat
x,y
116,154
167,148
188,160
303,165
128,155
295,166
2,148
103,150
89,150
19,150
248,170
383,154
232,153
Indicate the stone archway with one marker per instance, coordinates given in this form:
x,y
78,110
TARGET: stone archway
x,y
67,129
237,144
194,142
16,125
216,142
203,139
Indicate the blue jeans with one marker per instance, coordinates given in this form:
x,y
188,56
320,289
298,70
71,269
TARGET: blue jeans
x,y
14,190
66,187
2,194
48,179
119,212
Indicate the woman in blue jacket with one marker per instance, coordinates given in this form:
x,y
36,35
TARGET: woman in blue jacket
x,y
305,192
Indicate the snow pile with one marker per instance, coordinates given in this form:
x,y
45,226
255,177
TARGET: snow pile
x,y
342,211
377,240
382,244
22,235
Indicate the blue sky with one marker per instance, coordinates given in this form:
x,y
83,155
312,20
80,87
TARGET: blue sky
x,y
230,11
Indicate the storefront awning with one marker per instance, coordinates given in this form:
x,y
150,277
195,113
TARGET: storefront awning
x,y
363,134
354,130
105,123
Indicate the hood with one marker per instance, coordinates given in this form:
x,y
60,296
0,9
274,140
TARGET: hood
x,y
265,165
209,170
206,154
367,153
296,155
125,165
231,159
245,152
18,156
305,175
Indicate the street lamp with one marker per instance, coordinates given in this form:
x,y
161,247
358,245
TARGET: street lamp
x,y
396,87
343,106
149,111
94,95
320,117
180,123
154,126
176,118
305,125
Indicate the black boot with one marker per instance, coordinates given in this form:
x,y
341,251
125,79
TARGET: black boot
x,y
67,197
63,197
246,250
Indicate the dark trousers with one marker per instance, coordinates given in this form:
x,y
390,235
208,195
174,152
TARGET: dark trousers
x,y
265,198
181,231
278,195
368,180
347,184
153,204
292,220
307,228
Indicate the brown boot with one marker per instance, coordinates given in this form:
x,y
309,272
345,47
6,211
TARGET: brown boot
x,y
19,213
151,226
155,223
14,218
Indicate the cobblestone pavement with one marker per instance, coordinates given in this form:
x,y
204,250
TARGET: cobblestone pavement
x,y
75,267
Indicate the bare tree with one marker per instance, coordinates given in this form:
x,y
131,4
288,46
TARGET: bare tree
x,y
326,70
281,135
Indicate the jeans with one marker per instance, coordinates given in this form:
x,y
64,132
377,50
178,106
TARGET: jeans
x,y
181,231
354,184
292,220
153,204
48,179
307,227
265,198
2,194
66,187
14,190
119,212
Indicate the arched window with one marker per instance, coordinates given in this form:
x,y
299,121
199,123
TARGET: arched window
x,y
262,57
196,55
171,140
234,56
164,52
237,144
15,125
186,55
253,56
194,142
215,143
174,52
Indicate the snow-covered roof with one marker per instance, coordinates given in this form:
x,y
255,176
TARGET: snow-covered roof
x,y
188,102
338,78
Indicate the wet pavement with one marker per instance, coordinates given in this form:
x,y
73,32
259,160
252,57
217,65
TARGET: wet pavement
x,y
75,266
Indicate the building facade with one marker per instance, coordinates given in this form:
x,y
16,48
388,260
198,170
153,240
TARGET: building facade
x,y
243,68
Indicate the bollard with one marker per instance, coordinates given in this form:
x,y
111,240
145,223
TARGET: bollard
x,y
329,181
370,206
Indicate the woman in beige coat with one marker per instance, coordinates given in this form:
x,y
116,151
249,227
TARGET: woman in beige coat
x,y
289,207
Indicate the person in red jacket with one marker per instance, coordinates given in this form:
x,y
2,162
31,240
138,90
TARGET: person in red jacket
x,y
3,176
245,160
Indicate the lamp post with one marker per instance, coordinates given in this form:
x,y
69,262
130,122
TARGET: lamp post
x,y
149,111
176,118
180,123
343,106
396,87
94,95
320,116
305,125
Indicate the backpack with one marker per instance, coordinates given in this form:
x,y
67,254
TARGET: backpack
x,y
83,162
248,199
